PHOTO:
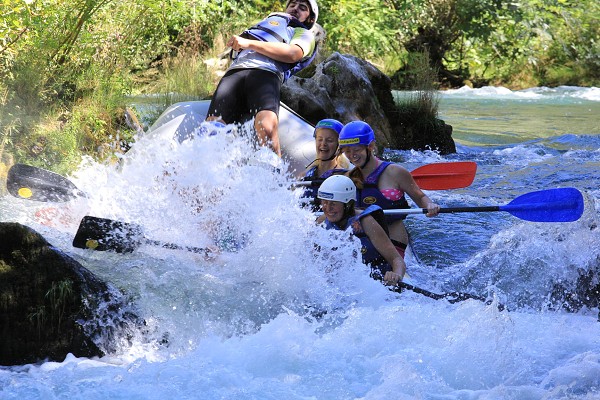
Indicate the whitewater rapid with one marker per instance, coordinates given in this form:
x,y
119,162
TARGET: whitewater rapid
x,y
273,318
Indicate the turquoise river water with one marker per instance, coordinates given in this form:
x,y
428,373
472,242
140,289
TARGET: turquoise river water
x,y
241,327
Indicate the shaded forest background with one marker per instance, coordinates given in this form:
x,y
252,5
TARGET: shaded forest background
x,y
69,69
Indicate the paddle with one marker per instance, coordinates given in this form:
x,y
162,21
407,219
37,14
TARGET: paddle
x,y
438,176
446,175
551,205
33,183
451,297
104,234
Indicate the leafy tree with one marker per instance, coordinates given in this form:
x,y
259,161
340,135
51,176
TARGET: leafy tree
x,y
71,64
566,34
361,27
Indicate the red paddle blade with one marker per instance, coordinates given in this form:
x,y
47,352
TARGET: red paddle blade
x,y
447,175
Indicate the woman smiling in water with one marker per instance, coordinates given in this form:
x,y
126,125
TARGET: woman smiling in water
x,y
383,183
328,161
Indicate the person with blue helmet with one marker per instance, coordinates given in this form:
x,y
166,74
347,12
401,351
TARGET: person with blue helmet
x,y
329,161
338,199
326,136
265,56
380,182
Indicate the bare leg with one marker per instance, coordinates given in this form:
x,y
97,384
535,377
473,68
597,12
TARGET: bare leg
x,y
266,124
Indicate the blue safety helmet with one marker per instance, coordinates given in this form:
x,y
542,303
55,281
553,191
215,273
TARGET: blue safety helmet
x,y
356,133
329,123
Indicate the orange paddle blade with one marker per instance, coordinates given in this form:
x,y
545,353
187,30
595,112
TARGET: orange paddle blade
x,y
446,175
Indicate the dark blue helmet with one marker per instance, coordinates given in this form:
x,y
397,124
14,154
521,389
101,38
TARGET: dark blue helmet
x,y
356,133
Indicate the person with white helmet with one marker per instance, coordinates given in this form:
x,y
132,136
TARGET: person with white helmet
x,y
265,56
329,161
383,183
338,197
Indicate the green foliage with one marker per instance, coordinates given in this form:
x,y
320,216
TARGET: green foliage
x,y
479,40
360,27
502,41
59,296
417,107
37,316
569,36
185,78
68,67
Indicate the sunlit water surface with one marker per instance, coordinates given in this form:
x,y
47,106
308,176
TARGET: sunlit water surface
x,y
274,319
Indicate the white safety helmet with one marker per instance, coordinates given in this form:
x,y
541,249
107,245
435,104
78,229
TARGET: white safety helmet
x,y
313,7
337,188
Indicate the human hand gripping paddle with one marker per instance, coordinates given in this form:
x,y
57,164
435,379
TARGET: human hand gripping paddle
x,y
451,297
437,176
551,205
104,234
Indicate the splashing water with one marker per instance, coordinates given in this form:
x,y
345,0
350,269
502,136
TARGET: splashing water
x,y
273,317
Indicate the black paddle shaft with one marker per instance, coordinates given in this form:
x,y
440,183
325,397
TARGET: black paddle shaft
x,y
104,235
466,209
448,210
451,297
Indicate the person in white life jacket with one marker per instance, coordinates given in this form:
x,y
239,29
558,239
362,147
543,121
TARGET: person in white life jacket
x,y
338,196
265,56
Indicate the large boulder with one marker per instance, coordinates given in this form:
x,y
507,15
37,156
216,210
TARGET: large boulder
x,y
51,306
346,88
349,88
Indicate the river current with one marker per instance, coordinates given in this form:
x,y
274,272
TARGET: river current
x,y
272,318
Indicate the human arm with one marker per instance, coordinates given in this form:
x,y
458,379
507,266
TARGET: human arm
x,y
401,178
384,246
282,52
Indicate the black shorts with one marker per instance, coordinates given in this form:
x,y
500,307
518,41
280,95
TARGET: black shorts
x,y
244,92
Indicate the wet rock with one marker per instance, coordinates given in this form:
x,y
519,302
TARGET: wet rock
x,y
582,290
585,292
50,305
349,88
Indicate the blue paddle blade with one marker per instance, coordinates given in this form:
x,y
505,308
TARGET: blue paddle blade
x,y
552,205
